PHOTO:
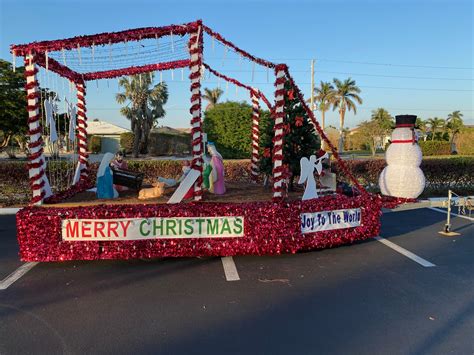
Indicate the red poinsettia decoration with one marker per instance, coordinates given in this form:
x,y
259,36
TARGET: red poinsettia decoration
x,y
266,153
291,94
298,121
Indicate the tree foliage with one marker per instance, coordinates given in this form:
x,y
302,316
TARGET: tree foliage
x,y
346,98
324,99
373,132
454,125
13,114
212,96
229,126
300,139
144,106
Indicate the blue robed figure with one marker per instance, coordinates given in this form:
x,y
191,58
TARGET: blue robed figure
x,y
105,179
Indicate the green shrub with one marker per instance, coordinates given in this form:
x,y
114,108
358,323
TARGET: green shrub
x,y
229,126
465,142
160,143
126,142
441,174
95,144
435,148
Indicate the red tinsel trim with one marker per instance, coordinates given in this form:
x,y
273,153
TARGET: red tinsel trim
x,y
34,119
269,228
195,49
237,49
36,177
103,38
36,130
33,95
31,85
36,155
33,145
82,130
38,186
32,107
38,198
31,72
226,78
36,165
392,202
107,74
60,69
26,60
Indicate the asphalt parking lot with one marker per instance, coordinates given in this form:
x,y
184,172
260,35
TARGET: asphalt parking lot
x,y
367,298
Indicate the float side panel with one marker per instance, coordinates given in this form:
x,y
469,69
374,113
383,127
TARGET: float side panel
x,y
269,228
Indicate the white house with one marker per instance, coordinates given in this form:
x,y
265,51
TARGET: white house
x,y
109,133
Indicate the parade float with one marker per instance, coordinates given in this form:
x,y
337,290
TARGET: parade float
x,y
51,230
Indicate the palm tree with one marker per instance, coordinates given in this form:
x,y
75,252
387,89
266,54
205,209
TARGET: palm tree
x,y
383,123
436,124
422,126
325,98
454,124
144,107
212,96
345,98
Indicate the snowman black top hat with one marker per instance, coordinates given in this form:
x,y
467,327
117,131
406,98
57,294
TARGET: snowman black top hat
x,y
405,120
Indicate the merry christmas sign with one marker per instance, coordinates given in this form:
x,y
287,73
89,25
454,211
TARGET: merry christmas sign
x,y
329,220
152,228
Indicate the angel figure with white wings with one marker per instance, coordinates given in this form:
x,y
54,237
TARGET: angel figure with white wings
x,y
307,174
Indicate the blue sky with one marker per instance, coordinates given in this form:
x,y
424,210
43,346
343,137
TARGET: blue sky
x,y
407,56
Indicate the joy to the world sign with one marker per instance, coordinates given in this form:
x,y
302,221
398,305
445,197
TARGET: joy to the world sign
x,y
328,220
152,228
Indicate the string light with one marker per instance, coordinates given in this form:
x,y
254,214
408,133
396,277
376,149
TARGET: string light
x,y
79,54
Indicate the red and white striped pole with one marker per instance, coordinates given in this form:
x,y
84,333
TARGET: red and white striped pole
x,y
37,165
195,65
82,165
254,96
278,132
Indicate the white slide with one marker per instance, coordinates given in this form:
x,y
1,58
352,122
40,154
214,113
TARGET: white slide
x,y
184,187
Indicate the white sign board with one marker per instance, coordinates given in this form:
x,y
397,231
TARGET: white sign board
x,y
329,220
152,228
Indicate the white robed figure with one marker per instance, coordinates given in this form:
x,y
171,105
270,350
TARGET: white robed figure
x,y
50,108
307,175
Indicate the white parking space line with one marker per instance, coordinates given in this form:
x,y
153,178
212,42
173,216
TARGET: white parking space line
x,y
8,211
453,214
230,269
405,252
16,275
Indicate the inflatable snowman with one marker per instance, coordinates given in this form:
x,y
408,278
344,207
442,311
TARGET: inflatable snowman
x,y
402,177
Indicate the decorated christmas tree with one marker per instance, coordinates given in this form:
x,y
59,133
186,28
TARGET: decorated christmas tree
x,y
300,139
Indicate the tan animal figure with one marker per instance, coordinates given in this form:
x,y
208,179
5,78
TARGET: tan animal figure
x,y
153,192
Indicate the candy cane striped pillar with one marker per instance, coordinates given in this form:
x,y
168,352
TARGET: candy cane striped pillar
x,y
37,165
82,165
254,96
195,52
278,132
